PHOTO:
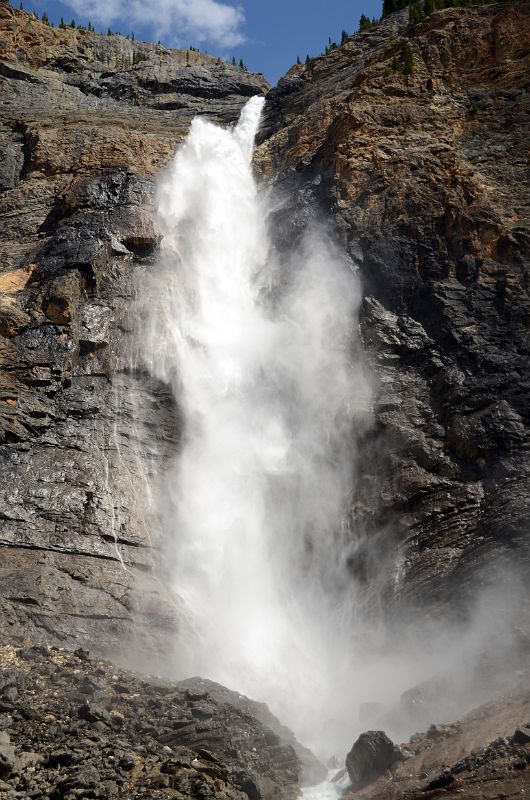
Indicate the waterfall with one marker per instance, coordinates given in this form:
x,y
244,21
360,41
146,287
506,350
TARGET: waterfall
x,y
258,352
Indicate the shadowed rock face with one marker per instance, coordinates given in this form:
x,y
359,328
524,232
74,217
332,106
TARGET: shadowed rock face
x,y
84,130
424,178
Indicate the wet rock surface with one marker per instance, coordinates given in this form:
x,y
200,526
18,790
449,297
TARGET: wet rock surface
x,y
424,177
74,727
86,121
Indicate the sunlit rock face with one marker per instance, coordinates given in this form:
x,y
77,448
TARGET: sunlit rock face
x,y
424,179
86,123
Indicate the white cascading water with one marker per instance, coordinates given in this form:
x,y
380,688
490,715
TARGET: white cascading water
x,y
262,356
259,357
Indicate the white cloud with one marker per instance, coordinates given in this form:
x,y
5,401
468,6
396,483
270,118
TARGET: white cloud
x,y
180,22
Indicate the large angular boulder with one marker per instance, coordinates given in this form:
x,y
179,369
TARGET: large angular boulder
x,y
370,756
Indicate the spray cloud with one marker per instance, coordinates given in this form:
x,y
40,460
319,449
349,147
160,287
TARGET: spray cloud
x,y
258,355
261,353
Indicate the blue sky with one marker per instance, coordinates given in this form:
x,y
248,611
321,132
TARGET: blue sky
x,y
267,34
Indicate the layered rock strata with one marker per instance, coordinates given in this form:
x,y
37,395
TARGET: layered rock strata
x,y
86,122
424,176
423,179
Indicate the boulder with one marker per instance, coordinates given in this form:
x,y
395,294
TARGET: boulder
x,y
370,756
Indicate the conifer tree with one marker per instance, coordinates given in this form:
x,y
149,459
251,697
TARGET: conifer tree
x,y
408,60
44,18
415,13
365,23
344,37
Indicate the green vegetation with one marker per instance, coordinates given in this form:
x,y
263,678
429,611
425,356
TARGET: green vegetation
x,y
390,6
395,67
415,12
344,37
365,23
418,9
404,65
408,60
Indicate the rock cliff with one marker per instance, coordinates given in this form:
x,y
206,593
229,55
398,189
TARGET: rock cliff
x,y
422,177
86,121
425,179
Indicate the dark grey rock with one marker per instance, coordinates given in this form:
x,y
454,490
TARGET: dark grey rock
x,y
522,735
77,235
371,755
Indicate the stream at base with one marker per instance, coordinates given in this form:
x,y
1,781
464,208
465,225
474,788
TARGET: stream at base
x,y
327,790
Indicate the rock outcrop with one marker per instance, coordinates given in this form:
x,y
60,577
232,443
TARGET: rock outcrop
x,y
486,753
86,121
73,727
312,771
424,177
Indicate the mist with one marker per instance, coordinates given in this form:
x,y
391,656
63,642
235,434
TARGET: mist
x,y
262,354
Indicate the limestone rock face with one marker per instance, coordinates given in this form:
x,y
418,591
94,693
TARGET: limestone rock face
x,y
424,177
86,121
